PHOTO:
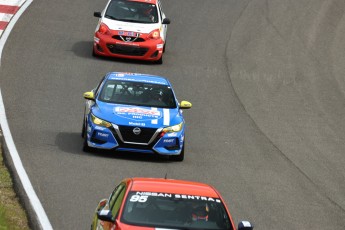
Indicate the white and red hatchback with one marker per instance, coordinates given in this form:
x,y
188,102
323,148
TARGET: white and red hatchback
x,y
131,29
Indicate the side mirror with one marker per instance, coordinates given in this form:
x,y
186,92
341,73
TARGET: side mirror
x,y
245,225
185,105
97,14
166,21
89,96
102,203
105,215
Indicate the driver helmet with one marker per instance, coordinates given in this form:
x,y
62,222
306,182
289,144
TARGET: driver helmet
x,y
200,212
157,95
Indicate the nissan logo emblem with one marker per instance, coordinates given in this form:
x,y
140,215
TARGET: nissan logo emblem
x,y
136,130
128,39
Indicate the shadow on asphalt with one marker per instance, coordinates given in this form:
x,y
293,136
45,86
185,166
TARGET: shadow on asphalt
x,y
73,143
84,49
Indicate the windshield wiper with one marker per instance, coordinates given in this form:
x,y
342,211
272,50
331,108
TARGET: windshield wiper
x,y
129,20
111,17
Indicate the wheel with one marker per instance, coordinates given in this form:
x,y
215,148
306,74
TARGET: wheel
x,y
93,52
86,148
83,130
164,46
160,61
179,157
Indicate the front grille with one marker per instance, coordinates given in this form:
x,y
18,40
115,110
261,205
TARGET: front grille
x,y
127,49
128,38
144,136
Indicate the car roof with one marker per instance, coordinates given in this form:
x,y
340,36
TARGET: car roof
x,y
161,185
137,77
146,1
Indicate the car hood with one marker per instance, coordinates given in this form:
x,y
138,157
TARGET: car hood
x,y
130,115
131,26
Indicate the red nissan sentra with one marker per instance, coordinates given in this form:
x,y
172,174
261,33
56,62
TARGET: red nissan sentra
x,y
133,29
152,203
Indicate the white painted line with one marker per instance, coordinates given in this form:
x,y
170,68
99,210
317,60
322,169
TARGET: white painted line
x,y
32,196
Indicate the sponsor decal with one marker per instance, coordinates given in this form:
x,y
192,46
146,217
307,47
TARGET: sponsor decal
x,y
129,33
100,128
102,134
121,76
143,196
172,134
133,34
136,123
168,140
137,113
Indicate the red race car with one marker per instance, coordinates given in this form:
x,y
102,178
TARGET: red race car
x,y
152,203
133,29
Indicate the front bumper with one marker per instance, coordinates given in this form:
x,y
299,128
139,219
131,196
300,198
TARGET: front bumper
x,y
121,139
148,50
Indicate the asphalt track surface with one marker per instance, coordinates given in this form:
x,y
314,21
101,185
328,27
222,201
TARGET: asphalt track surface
x,y
266,79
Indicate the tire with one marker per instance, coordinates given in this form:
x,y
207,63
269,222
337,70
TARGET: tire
x,y
86,148
160,61
179,157
164,46
83,130
93,52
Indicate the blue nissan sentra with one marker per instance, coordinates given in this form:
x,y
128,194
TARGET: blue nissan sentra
x,y
134,112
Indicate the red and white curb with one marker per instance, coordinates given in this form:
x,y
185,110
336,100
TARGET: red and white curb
x,y
10,11
8,8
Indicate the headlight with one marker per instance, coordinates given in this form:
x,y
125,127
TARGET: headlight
x,y
103,29
174,128
155,34
100,122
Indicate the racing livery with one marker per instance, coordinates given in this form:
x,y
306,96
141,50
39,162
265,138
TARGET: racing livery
x,y
157,204
135,112
133,29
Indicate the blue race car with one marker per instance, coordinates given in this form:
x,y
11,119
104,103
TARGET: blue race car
x,y
134,112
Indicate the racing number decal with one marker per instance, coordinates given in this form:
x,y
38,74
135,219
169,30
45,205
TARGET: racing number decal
x,y
137,198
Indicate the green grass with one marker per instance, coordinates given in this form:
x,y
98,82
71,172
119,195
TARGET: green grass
x,y
12,214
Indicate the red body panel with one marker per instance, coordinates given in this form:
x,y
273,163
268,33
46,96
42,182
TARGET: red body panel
x,y
151,45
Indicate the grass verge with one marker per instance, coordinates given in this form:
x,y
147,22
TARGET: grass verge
x,y
12,214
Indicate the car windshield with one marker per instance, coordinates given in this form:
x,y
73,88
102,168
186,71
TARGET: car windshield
x,y
132,11
137,93
165,210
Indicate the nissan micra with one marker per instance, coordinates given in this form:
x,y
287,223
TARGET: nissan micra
x,y
132,29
